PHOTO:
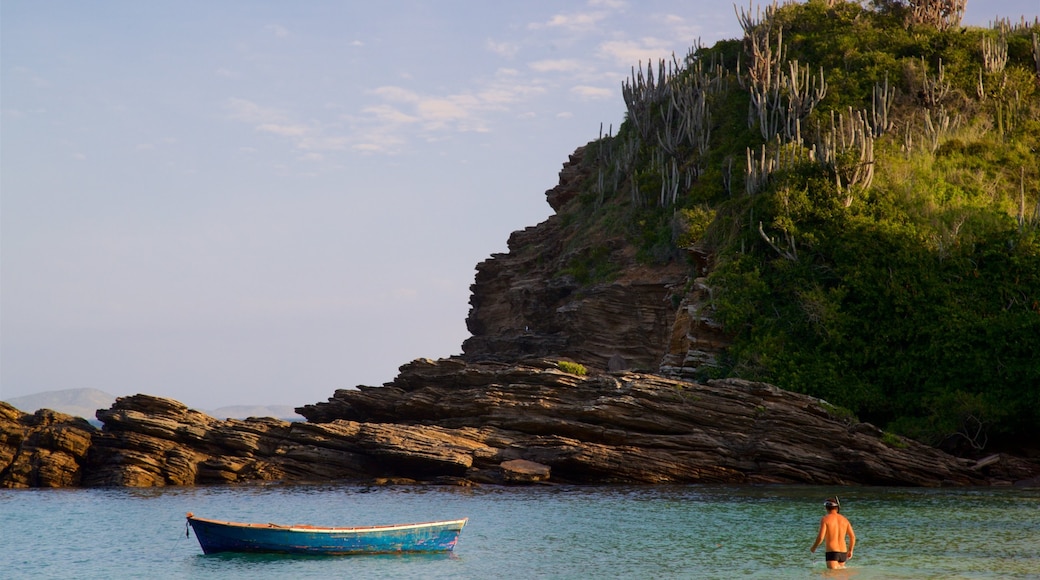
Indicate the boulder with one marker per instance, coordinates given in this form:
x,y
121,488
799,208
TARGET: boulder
x,y
524,471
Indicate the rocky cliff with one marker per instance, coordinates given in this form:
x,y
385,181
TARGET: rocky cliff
x,y
530,301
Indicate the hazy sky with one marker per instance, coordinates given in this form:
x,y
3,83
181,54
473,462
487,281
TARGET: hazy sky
x,y
230,202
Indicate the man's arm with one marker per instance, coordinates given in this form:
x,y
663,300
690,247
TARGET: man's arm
x,y
819,537
852,540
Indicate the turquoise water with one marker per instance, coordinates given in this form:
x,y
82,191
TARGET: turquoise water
x,y
539,532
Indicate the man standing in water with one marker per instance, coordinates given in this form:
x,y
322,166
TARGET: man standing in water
x,y
833,529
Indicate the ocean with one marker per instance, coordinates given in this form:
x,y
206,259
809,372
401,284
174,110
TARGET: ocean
x,y
532,532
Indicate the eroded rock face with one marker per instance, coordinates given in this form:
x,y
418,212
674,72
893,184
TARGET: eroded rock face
x,y
151,441
636,428
697,339
43,449
528,302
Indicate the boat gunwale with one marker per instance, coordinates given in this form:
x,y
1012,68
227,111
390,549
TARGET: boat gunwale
x,y
323,529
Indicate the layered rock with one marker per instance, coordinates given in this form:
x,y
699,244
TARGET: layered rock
x,y
530,303
638,428
43,449
453,421
151,441
697,339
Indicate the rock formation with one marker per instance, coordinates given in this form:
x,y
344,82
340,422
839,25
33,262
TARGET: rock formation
x,y
455,422
43,449
504,412
529,303
638,428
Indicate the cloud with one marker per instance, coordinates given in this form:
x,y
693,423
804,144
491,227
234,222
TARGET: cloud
x,y
278,30
305,137
508,88
390,115
560,65
284,130
250,112
402,114
685,32
631,53
506,49
577,22
592,93
396,94
583,21
315,142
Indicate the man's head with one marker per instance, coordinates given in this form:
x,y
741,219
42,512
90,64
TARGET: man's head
x,y
832,503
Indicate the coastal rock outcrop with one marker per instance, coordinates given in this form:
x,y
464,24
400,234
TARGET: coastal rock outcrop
x,y
451,421
150,441
640,428
42,449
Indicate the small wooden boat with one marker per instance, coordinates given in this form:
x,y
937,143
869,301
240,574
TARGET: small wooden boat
x,y
217,536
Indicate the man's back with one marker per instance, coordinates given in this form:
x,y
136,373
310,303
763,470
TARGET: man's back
x,y
835,527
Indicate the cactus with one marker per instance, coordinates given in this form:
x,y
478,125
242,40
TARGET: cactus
x,y
995,52
942,14
849,138
881,105
790,253
1036,52
935,89
937,129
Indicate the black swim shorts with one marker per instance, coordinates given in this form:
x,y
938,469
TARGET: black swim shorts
x,y
836,557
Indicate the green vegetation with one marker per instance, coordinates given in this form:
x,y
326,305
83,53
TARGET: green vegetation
x,y
869,191
842,414
572,368
893,440
591,265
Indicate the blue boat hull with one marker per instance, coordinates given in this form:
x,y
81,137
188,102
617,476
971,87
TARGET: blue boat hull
x,y
216,536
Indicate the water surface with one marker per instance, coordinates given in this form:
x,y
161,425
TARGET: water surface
x,y
536,532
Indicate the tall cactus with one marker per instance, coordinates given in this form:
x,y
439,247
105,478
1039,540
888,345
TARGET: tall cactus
x,y
847,150
942,14
995,51
1036,52
935,88
880,106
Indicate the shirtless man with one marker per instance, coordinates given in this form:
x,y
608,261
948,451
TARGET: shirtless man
x,y
833,529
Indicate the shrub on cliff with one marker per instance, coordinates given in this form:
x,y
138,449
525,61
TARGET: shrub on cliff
x,y
572,368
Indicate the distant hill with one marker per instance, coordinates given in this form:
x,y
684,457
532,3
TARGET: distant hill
x,y
79,402
284,412
85,402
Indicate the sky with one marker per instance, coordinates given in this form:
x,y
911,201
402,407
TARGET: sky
x,y
260,202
